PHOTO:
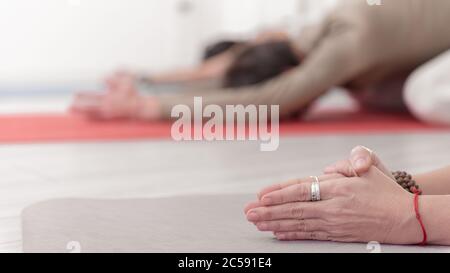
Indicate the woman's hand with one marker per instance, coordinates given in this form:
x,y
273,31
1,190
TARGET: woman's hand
x,y
281,186
360,161
358,209
121,102
120,79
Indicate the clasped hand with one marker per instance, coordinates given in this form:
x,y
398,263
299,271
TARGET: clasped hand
x,y
360,202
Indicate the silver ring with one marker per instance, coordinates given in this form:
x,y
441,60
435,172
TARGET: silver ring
x,y
315,189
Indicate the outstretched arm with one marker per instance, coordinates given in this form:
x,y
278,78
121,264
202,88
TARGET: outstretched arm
x,y
339,56
336,60
211,69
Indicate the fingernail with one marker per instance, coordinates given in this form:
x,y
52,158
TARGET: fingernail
x,y
357,149
252,216
267,201
360,163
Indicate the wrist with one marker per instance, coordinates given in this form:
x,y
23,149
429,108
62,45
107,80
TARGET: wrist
x,y
145,79
434,213
408,230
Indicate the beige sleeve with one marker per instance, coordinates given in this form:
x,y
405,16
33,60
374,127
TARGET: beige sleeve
x,y
332,63
276,92
310,37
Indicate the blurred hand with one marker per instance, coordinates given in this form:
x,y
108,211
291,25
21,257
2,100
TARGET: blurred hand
x,y
357,209
119,79
122,101
360,161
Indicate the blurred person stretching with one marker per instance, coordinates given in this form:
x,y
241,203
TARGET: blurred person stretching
x,y
364,48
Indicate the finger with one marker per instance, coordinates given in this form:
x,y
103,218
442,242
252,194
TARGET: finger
x,y
252,205
343,167
88,96
295,182
86,101
87,105
362,158
280,186
87,110
300,210
298,193
304,236
308,225
330,169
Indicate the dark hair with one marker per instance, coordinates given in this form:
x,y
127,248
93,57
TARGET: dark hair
x,y
260,63
219,48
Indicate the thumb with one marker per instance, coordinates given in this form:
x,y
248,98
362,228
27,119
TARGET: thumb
x,y
362,159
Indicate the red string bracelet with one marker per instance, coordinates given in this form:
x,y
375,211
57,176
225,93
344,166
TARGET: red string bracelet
x,y
417,194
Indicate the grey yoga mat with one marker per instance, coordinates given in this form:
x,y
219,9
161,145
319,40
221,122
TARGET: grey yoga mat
x,y
178,224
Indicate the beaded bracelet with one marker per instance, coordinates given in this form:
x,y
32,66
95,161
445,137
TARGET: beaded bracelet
x,y
406,181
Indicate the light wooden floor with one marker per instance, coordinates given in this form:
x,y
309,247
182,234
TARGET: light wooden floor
x,y
33,173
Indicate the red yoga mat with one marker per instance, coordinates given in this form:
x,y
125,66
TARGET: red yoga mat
x,y
66,127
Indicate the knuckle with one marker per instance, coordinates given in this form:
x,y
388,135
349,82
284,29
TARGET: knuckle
x,y
350,170
332,225
302,226
296,212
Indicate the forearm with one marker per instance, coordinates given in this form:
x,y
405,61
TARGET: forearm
x,y
435,183
435,212
210,69
182,75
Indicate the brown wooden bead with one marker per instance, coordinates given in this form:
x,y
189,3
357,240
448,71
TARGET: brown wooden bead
x,y
406,181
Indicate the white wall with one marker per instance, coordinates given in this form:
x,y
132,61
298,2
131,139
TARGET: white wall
x,y
54,41
51,40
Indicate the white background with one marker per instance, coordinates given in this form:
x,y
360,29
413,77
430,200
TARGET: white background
x,y
62,41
